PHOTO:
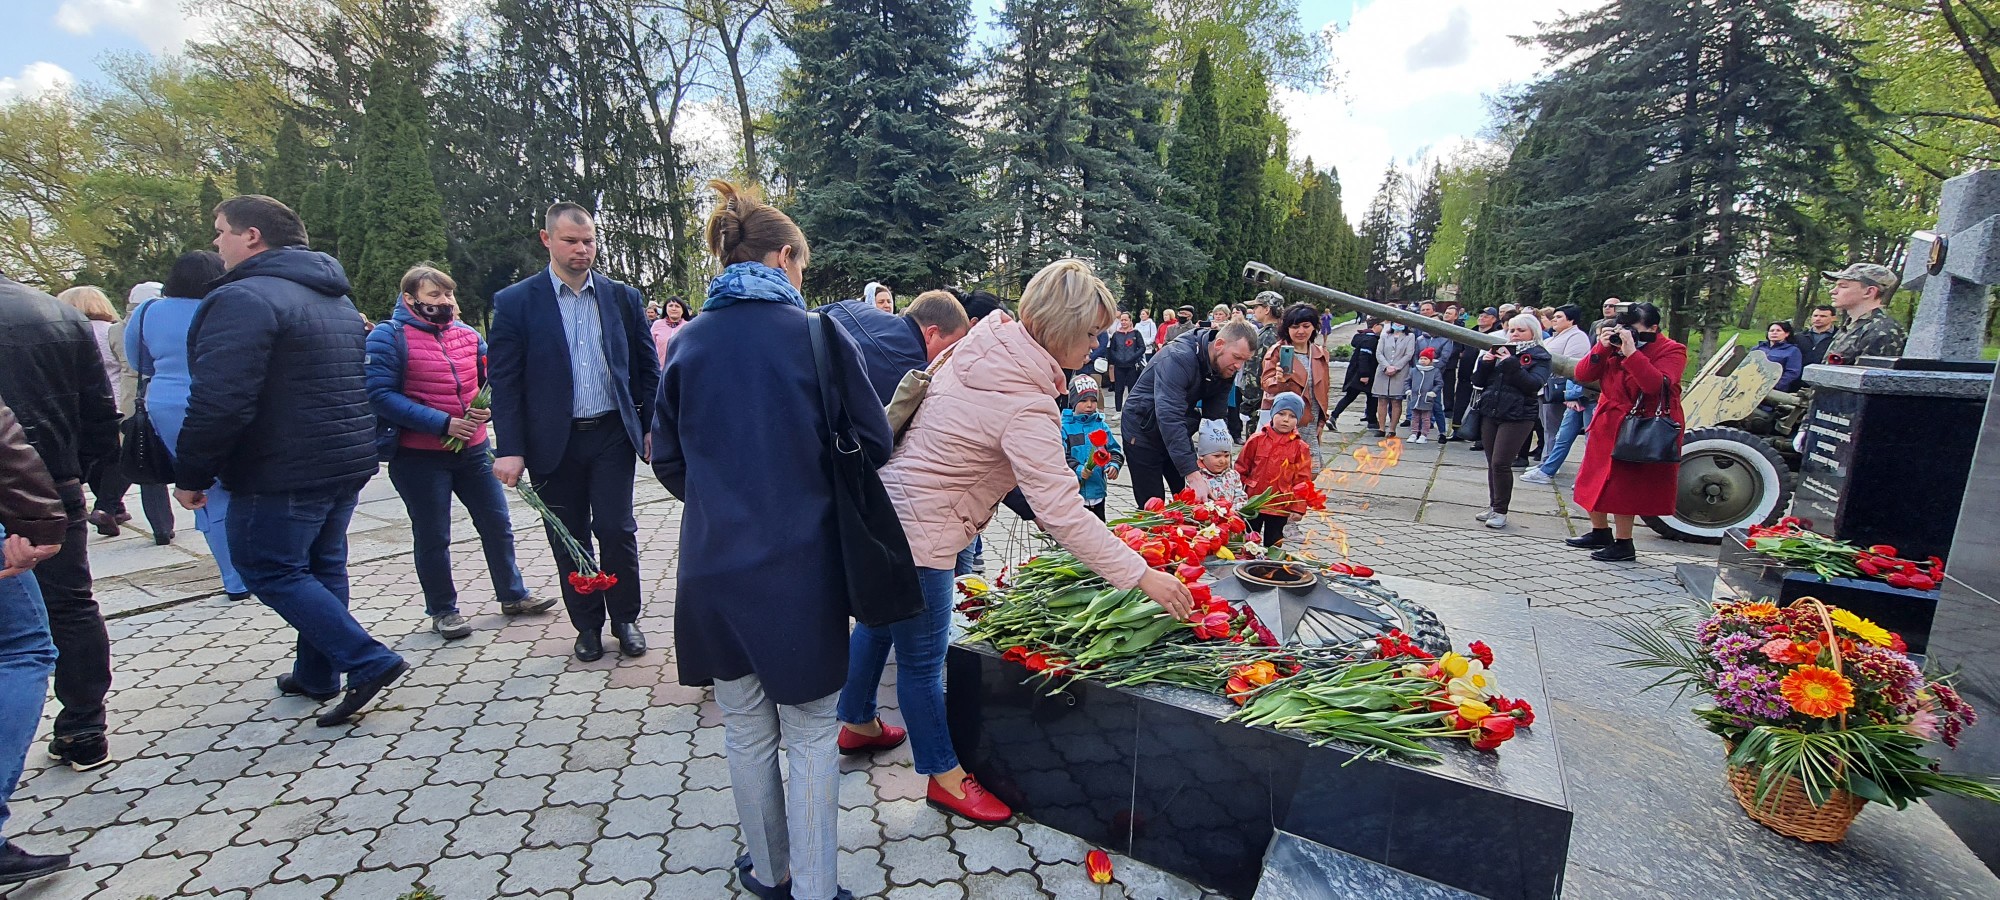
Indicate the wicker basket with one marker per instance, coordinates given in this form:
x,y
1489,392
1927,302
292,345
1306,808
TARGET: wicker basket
x,y
1793,814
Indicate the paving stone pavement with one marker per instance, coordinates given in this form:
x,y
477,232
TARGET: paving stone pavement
x,y
502,767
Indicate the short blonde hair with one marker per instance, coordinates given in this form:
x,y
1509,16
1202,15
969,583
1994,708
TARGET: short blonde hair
x,y
1064,303
938,308
1529,322
90,301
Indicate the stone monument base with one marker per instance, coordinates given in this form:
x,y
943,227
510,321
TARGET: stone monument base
x,y
1745,574
1149,772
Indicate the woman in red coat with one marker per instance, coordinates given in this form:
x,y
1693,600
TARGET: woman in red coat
x,y
1632,363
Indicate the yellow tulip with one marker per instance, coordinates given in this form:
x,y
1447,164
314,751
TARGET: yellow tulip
x,y
1473,710
1223,553
1455,665
1466,688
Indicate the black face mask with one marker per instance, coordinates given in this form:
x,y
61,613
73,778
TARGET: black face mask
x,y
434,313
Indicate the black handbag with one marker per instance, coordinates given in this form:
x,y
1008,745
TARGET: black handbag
x,y
1654,438
143,455
878,572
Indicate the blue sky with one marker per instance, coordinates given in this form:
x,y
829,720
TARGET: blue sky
x,y
1413,72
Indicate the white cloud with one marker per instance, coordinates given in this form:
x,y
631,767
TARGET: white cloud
x,y
1414,72
162,25
35,78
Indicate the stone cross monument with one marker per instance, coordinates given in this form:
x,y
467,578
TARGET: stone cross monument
x,y
1952,267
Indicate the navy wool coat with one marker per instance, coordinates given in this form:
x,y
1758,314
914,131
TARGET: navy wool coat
x,y
740,437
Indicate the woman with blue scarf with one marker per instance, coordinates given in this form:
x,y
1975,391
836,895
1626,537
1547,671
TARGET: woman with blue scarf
x,y
760,613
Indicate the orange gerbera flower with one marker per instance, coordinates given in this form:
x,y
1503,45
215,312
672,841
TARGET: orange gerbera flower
x,y
1818,692
1758,610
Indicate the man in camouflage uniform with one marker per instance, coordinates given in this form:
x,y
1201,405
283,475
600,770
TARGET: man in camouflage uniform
x,y
1267,310
1861,291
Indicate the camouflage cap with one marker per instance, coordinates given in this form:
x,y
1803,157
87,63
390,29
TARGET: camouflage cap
x,y
1272,299
1867,273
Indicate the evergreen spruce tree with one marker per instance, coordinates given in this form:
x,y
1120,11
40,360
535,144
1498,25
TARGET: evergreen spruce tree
x,y
401,218
1140,240
202,229
1195,159
871,138
291,173
1038,180
1383,236
1425,217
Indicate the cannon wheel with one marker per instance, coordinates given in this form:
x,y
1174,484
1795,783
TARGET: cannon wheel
x,y
1729,479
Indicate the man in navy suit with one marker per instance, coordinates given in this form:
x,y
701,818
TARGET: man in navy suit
x,y
573,371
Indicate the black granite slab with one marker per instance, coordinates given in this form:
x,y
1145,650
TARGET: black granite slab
x,y
1968,637
1889,468
1151,773
1745,574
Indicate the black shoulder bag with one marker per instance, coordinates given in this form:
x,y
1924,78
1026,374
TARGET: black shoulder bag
x,y
878,572
1654,438
143,455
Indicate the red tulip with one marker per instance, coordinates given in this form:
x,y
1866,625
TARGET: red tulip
x,y
1209,626
1185,496
1923,582
1494,731
1099,438
1200,592
1190,572
1239,689
1883,550
1098,864
1155,505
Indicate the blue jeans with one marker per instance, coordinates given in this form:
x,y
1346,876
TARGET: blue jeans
x,y
212,521
27,659
920,644
427,480
964,565
291,549
1573,424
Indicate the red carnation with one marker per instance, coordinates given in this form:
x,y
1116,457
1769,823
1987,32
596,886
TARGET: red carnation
x,y
1481,652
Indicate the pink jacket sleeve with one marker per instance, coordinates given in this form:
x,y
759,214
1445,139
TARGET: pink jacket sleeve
x,y
1032,444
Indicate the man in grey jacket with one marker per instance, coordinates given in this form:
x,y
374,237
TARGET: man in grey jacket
x,y
1193,372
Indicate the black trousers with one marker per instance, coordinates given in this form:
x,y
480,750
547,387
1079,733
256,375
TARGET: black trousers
x,y
83,649
1503,441
1122,379
591,492
1233,416
1272,528
1153,472
1358,392
110,488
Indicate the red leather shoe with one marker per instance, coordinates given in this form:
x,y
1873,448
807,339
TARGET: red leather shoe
x,y
854,742
977,804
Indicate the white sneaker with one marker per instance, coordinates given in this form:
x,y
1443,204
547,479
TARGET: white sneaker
x,y
1419,439
1484,515
1535,476
1497,520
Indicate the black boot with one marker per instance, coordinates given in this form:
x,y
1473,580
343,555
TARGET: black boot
x,y
1598,537
18,865
1619,551
358,696
590,646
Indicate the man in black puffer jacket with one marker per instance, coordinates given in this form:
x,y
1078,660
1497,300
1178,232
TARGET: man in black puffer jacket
x,y
279,411
1193,372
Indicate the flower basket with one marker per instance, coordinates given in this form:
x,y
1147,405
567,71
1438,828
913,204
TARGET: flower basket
x,y
1790,812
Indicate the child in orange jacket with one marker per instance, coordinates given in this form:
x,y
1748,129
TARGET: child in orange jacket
x,y
1277,458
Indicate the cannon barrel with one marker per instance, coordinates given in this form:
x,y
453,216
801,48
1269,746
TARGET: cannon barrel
x,y
1266,278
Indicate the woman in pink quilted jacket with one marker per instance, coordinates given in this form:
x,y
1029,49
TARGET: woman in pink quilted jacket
x,y
988,424
425,370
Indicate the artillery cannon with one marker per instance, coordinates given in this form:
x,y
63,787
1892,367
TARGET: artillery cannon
x,y
1737,459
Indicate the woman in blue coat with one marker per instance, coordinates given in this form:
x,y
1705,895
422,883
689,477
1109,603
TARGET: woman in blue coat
x,y
739,436
1779,347
156,342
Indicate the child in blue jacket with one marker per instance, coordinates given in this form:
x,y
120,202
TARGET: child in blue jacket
x,y
1093,450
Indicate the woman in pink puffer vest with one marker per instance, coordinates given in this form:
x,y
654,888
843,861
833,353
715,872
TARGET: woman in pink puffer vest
x,y
425,372
988,423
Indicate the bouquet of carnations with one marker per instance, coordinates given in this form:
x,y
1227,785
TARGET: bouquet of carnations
x,y
1811,697
588,578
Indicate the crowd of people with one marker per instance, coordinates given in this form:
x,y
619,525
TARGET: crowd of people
x,y
275,402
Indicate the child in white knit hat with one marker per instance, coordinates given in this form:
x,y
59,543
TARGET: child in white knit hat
x,y
1212,447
